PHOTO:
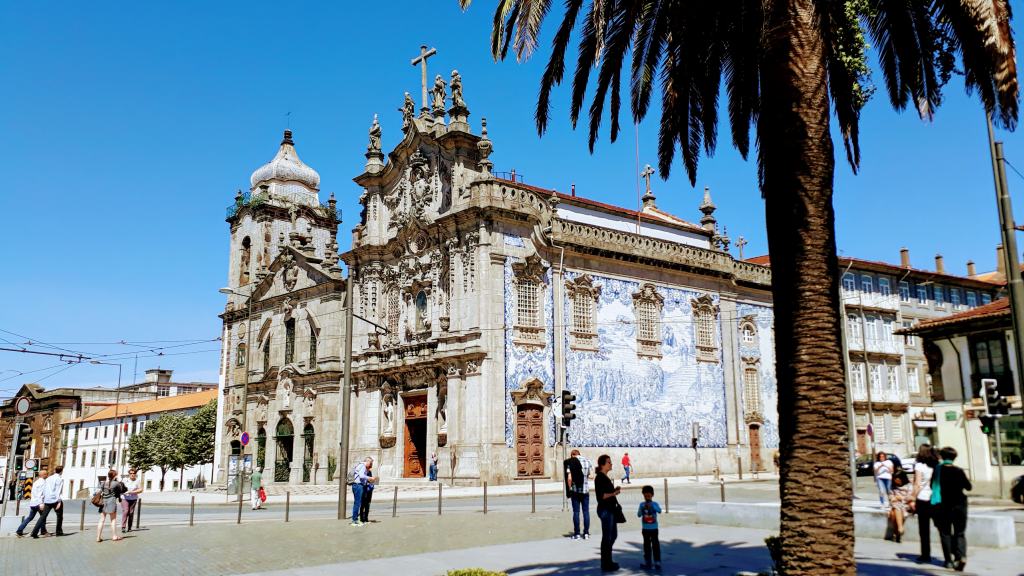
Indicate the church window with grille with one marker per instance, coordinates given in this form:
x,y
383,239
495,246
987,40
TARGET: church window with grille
x,y
289,341
584,297
705,311
243,262
647,306
752,393
393,312
529,288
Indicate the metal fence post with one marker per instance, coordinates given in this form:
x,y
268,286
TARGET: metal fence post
x,y
287,505
439,486
485,496
739,466
81,521
533,496
394,504
721,485
239,520
666,495
138,513
192,512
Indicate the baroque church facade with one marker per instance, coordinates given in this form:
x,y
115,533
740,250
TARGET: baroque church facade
x,y
479,299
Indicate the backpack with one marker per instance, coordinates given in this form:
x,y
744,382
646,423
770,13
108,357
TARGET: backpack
x,y
649,516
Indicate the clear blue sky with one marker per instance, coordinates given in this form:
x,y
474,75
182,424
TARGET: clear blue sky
x,y
129,127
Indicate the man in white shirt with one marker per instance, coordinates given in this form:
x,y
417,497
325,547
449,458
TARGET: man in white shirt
x,y
34,504
52,491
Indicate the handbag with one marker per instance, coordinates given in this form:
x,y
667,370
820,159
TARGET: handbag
x,y
620,518
97,498
263,495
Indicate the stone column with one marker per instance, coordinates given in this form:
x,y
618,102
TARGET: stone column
x,y
271,454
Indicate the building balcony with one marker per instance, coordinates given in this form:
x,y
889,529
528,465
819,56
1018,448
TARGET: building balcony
x,y
871,301
884,395
876,346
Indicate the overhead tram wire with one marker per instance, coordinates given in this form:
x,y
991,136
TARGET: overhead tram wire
x,y
37,342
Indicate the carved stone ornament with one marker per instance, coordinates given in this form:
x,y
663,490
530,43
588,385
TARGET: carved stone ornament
x,y
387,442
284,387
234,428
442,439
262,403
472,367
309,399
531,392
408,111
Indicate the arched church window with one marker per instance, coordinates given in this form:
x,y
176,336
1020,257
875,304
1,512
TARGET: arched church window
x,y
647,306
243,262
748,332
266,354
422,319
240,355
704,313
312,346
289,341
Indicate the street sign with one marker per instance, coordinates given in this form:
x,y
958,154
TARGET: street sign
x,y
245,438
22,405
30,464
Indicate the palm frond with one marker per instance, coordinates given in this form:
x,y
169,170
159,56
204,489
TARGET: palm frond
x,y
504,13
556,64
620,32
647,52
668,133
980,31
586,57
531,15
742,33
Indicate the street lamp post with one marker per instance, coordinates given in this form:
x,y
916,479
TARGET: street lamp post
x,y
245,381
117,408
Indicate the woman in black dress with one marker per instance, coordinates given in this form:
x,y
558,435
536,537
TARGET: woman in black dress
x,y
606,505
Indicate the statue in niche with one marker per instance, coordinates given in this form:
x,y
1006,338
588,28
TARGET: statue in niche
x,y
375,131
408,111
388,410
439,93
291,275
310,398
457,101
284,386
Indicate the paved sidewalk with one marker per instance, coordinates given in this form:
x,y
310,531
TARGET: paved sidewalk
x,y
686,550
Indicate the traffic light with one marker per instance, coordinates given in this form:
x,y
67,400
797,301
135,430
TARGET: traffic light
x,y
995,403
568,408
24,439
988,424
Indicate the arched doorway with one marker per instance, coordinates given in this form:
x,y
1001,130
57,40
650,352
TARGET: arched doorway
x,y
285,438
755,447
308,436
261,448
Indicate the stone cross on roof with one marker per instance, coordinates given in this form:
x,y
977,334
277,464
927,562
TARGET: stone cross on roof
x,y
740,243
422,61
648,198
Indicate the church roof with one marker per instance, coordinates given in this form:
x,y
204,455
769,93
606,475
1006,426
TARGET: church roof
x,y
286,167
648,214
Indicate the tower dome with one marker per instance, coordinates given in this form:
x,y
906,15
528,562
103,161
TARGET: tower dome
x,y
287,176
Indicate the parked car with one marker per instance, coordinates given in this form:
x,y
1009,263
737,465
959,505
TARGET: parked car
x,y
865,465
1017,490
908,463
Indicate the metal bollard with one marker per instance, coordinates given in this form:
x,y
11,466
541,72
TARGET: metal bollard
x,y
721,486
239,520
394,504
192,512
739,466
485,496
533,496
439,486
138,513
81,521
666,495
17,507
287,505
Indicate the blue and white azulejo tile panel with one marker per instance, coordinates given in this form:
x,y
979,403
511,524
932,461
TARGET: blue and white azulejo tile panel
x,y
763,349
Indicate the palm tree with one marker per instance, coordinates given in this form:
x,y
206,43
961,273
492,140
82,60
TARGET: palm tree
x,y
784,65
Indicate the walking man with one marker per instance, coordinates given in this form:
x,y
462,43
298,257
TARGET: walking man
x,y
34,504
52,490
627,468
949,509
255,483
364,504
361,476
577,480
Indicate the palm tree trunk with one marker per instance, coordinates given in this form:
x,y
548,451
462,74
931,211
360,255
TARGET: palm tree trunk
x,y
797,158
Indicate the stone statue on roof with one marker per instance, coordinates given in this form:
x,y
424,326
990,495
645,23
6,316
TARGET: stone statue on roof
x,y
374,145
408,111
457,101
439,93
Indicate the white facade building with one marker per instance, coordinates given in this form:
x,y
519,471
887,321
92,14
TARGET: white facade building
x,y
99,442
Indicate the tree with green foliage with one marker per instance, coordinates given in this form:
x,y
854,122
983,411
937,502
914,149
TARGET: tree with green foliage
x,y
784,64
161,444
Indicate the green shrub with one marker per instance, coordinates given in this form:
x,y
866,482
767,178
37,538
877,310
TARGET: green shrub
x,y
474,572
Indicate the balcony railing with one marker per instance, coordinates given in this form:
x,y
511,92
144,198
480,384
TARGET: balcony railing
x,y
246,199
872,300
874,345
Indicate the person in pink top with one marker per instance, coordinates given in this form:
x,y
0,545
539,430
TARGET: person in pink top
x,y
627,468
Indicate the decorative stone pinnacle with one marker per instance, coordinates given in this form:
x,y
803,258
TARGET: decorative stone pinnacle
x,y
484,147
374,156
287,138
708,221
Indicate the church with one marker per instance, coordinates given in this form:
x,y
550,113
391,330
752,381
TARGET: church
x,y
477,300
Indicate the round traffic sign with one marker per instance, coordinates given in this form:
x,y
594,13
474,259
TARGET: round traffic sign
x,y
22,405
245,438
30,464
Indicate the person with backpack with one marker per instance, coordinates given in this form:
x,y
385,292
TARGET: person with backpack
x,y
577,488
107,499
648,514
949,509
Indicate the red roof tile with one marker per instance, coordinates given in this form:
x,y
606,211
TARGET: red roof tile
x,y
1000,307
